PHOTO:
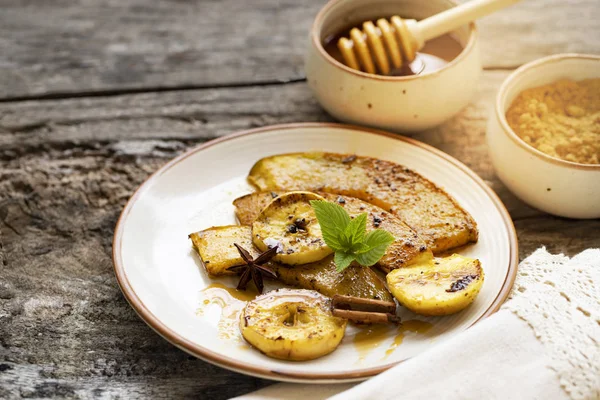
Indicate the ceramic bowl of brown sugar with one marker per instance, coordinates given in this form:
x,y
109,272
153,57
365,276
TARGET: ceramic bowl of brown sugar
x,y
433,88
544,134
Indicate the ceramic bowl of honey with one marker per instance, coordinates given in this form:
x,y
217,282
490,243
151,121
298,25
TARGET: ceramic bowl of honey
x,y
432,89
544,134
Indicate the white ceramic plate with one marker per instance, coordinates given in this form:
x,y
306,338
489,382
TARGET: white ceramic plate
x,y
163,279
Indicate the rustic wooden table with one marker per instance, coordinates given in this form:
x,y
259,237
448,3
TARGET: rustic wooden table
x,y
94,96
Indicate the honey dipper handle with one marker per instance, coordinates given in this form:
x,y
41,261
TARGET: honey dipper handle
x,y
452,18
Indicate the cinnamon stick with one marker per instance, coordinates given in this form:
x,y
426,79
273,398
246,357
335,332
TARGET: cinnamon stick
x,y
366,311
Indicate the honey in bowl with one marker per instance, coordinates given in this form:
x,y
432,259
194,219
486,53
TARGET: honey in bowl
x,y
436,54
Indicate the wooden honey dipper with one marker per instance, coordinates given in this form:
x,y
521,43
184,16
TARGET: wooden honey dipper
x,y
402,38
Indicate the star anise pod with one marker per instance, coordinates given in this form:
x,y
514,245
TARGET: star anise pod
x,y
254,268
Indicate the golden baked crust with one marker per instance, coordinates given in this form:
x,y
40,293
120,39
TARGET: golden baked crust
x,y
427,209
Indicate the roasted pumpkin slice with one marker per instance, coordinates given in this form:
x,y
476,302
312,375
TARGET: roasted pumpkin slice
x,y
430,211
216,249
248,207
323,277
407,249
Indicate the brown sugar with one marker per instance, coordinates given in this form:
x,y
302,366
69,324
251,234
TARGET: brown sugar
x,y
561,119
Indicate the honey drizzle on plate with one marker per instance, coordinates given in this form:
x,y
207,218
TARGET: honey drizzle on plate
x,y
242,295
371,337
231,301
412,325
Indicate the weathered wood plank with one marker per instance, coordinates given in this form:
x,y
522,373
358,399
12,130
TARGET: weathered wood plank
x,y
65,329
196,382
78,46
537,28
73,46
182,115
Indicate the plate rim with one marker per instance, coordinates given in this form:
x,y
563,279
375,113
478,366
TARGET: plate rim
x,y
307,377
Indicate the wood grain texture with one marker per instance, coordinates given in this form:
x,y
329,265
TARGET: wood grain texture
x,y
64,47
66,169
65,329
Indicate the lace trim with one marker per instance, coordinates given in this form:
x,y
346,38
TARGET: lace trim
x,y
560,299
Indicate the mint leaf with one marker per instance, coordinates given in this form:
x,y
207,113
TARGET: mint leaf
x,y
333,220
342,260
370,257
356,229
347,237
377,241
378,237
360,248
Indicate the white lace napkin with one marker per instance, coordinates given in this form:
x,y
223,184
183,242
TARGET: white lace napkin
x,y
543,344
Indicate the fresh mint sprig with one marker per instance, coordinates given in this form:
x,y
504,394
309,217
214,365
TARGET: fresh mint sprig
x,y
347,236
